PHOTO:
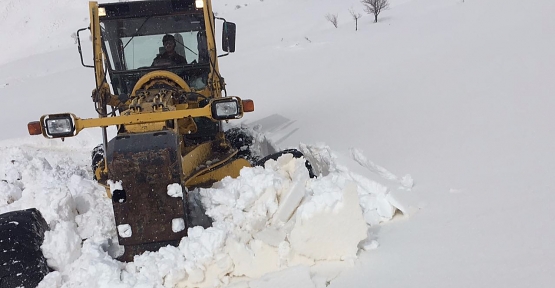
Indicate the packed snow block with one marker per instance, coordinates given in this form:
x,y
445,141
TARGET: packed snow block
x,y
321,157
331,234
271,236
9,192
205,276
290,199
21,259
254,260
62,245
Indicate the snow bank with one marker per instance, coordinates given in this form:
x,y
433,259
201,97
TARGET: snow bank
x,y
271,220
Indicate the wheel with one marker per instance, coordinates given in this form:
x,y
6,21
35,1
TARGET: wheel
x,y
97,155
296,154
21,259
242,140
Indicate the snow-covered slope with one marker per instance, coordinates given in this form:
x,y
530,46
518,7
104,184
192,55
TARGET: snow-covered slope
x,y
457,94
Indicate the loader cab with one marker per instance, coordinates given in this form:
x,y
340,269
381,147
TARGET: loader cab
x,y
131,55
132,34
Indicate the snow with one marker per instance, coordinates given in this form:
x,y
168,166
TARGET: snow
x,y
322,234
266,220
457,97
178,225
125,230
175,190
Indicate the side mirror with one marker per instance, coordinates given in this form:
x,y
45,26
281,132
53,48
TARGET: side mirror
x,y
79,47
228,37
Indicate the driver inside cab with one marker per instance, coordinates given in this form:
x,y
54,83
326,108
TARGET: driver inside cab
x,y
169,57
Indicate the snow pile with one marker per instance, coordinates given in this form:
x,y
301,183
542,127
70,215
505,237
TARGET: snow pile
x,y
74,207
272,218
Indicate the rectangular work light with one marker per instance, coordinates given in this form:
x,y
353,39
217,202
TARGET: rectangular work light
x,y
59,125
227,108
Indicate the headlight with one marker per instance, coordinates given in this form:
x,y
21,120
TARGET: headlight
x,y
58,126
227,108
101,11
199,3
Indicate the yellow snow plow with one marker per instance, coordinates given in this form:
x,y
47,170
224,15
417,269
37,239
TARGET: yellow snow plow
x,y
158,83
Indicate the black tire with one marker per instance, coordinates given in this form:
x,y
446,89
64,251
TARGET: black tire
x,y
21,260
242,140
97,155
296,154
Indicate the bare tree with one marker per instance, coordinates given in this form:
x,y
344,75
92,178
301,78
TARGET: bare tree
x,y
332,18
375,7
356,16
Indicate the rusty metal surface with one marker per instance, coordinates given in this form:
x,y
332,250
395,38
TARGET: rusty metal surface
x,y
146,164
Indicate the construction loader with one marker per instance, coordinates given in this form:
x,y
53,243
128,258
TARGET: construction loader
x,y
168,116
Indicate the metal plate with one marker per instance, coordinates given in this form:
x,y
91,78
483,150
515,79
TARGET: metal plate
x,y
146,164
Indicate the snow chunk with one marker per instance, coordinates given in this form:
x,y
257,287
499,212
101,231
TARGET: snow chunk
x,y
175,190
115,186
253,260
271,236
289,199
9,193
52,279
178,225
95,268
62,245
125,231
407,181
331,234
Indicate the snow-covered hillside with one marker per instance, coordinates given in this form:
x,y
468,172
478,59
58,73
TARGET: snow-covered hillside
x,y
458,95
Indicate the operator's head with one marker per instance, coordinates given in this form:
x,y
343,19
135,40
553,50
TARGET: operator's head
x,y
169,43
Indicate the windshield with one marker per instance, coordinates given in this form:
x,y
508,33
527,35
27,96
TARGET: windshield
x,y
136,45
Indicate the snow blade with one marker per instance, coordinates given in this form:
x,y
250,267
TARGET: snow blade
x,y
21,260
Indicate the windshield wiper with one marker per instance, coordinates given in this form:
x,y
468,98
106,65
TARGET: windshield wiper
x,y
138,30
185,47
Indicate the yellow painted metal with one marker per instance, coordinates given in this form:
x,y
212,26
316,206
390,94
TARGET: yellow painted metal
x,y
145,127
210,25
210,162
192,161
186,126
202,164
162,75
98,172
97,43
153,117
216,173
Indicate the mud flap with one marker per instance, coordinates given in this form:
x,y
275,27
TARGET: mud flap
x,y
21,260
147,218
